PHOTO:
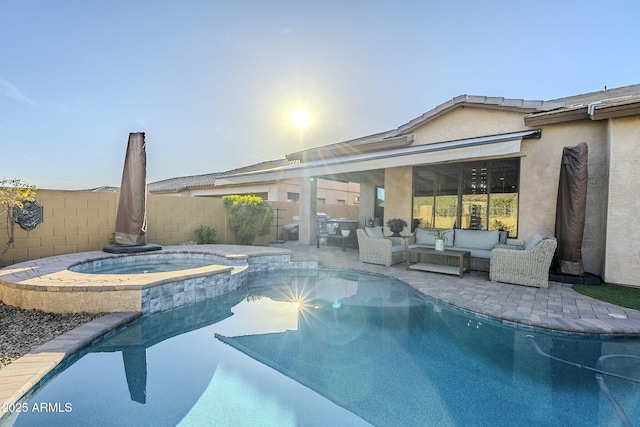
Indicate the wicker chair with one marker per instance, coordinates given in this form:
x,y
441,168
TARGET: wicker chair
x,y
519,266
386,251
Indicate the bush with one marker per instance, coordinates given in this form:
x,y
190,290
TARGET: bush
x,y
205,234
249,217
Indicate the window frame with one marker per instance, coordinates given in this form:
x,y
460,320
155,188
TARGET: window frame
x,y
438,179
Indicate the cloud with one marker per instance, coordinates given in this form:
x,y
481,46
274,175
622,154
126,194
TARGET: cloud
x,y
10,90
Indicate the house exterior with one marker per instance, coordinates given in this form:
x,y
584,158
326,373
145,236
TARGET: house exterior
x,y
489,163
286,190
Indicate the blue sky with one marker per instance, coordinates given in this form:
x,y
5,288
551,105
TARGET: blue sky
x,y
212,82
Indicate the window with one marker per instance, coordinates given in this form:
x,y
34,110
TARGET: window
x,y
479,195
293,197
341,202
321,201
378,209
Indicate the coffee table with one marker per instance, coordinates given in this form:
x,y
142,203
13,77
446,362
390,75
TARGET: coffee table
x,y
464,261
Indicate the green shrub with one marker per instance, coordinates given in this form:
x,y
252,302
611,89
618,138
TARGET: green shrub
x,y
249,217
205,234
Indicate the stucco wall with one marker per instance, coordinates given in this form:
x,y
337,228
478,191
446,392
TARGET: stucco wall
x,y
539,176
469,122
622,259
367,200
540,170
398,196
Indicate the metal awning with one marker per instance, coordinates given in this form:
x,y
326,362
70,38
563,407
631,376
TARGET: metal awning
x,y
485,146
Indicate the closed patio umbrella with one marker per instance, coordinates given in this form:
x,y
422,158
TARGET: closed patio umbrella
x,y
571,210
131,219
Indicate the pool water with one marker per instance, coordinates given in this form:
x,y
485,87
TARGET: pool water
x,y
146,263
332,348
144,268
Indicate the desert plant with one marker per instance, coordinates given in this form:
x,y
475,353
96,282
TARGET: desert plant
x,y
205,234
249,217
13,194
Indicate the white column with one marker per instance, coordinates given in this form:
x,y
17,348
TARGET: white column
x,y
308,219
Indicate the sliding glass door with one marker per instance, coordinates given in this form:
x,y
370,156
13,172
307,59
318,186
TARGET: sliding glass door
x,y
480,195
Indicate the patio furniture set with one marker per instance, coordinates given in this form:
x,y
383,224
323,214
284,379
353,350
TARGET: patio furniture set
x,y
485,250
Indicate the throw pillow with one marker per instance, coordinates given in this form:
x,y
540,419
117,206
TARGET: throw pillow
x,y
533,242
374,232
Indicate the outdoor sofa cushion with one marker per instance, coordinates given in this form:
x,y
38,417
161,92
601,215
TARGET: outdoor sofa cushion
x,y
477,239
427,237
478,242
532,242
374,232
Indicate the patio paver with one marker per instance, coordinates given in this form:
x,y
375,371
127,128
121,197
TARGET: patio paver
x,y
557,307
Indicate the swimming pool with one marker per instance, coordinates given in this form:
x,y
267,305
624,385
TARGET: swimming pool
x,y
333,348
145,263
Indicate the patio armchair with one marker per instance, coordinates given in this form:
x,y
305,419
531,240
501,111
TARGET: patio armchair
x,y
526,265
377,249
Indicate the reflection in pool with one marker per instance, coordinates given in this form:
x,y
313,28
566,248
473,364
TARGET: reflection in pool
x,y
336,348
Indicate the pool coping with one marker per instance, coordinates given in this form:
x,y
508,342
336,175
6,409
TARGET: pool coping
x,y
21,375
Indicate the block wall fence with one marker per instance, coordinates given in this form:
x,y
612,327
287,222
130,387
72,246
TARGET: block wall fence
x,y
81,221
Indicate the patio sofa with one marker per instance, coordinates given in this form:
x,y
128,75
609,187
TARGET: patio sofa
x,y
526,265
375,248
478,242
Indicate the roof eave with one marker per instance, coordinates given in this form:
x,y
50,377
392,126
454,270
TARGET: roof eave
x,y
615,111
548,118
593,111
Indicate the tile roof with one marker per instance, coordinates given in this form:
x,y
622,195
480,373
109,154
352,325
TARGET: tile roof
x,y
603,104
103,189
601,95
182,183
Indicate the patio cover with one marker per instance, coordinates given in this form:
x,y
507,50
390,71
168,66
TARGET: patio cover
x,y
571,210
131,219
492,145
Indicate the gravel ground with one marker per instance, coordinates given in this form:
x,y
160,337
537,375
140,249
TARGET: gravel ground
x,y
23,330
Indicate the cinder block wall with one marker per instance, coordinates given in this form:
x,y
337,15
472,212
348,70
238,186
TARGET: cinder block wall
x,y
171,220
80,221
74,221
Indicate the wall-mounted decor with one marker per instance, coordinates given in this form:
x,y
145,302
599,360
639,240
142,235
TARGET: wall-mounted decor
x,y
29,216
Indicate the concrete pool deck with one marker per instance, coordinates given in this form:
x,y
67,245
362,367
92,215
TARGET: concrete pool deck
x,y
557,308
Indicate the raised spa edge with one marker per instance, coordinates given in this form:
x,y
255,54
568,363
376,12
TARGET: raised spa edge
x,y
47,284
